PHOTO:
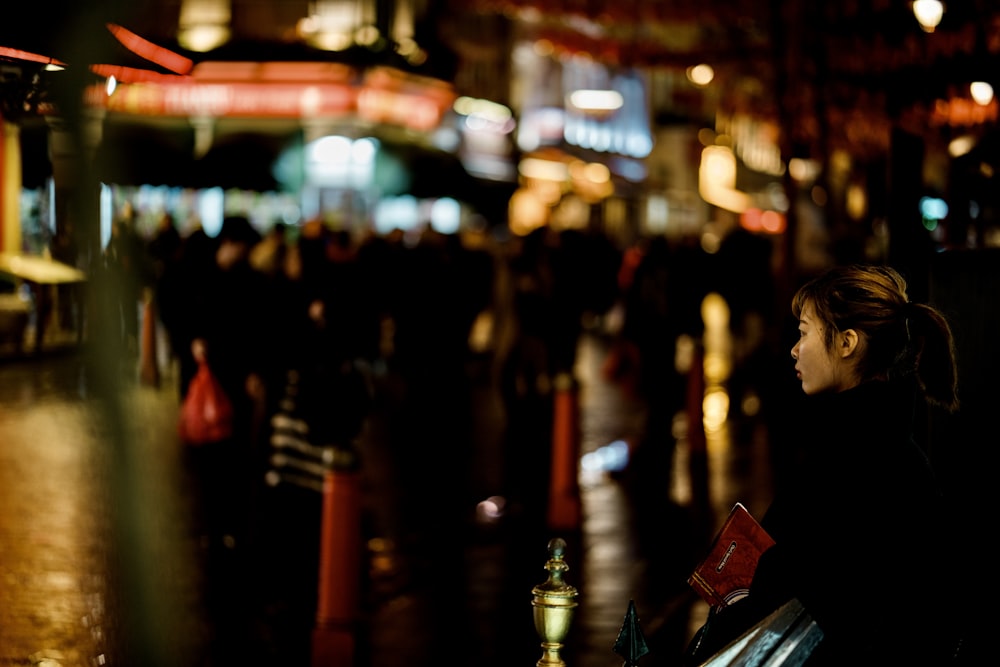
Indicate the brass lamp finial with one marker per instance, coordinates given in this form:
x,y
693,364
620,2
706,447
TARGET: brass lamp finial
x,y
553,602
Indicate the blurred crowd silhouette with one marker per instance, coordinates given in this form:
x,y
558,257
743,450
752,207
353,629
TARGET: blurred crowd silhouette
x,y
306,321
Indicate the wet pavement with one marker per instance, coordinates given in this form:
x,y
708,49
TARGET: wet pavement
x,y
90,517
101,567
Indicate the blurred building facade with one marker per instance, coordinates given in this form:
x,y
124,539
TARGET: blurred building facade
x,y
845,131
842,132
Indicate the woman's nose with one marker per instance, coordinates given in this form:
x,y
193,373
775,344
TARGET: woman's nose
x,y
795,352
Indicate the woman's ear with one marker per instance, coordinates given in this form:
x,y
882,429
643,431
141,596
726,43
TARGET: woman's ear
x,y
847,343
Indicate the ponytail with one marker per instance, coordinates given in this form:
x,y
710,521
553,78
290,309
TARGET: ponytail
x,y
933,350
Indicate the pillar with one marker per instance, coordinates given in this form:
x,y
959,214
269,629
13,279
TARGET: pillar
x,y
10,187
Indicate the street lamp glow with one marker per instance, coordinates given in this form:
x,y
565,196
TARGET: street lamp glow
x,y
928,13
701,75
982,92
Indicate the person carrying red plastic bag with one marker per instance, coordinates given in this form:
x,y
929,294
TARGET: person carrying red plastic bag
x,y
207,413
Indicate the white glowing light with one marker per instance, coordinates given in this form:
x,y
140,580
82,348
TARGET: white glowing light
x,y
612,457
928,13
446,215
596,100
982,92
701,75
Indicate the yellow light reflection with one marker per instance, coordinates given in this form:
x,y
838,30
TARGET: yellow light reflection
x,y
716,407
715,404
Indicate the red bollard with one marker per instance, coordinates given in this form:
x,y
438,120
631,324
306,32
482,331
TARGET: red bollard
x,y
564,511
339,570
149,369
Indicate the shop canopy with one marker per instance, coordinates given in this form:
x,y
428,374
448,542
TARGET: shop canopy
x,y
143,154
259,160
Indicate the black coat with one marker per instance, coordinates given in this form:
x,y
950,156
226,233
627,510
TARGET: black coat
x,y
861,538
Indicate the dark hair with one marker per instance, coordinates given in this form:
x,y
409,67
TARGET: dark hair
x,y
901,337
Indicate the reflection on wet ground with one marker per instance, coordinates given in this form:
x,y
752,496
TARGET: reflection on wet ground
x,y
50,532
89,523
100,565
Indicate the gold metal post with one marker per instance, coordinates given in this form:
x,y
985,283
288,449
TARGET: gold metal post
x,y
554,602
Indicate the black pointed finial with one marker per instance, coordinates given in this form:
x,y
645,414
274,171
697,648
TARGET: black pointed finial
x,y
631,644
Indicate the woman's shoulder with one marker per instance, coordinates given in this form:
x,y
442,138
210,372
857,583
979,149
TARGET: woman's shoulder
x,y
873,409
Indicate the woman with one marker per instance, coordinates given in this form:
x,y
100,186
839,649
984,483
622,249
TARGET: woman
x,y
861,537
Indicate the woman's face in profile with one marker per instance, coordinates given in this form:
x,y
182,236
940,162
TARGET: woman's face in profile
x,y
817,366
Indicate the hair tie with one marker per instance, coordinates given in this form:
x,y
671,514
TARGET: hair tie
x,y
909,310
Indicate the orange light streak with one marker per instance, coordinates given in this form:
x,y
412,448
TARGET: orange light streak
x,y
18,54
151,52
